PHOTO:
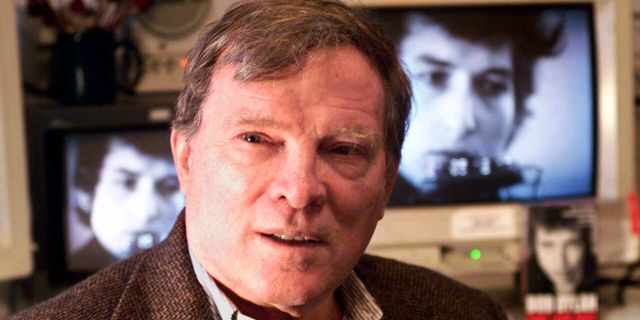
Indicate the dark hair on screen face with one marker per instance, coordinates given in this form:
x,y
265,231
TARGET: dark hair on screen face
x,y
531,34
91,154
271,39
554,218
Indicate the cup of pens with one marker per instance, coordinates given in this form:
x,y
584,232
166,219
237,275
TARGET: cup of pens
x,y
83,64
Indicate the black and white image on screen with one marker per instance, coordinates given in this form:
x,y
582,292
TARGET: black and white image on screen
x,y
122,195
503,103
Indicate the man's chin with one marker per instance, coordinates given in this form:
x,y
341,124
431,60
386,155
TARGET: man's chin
x,y
295,288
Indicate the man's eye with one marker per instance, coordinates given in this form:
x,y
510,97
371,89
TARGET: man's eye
x,y
439,79
436,79
575,243
547,244
348,150
130,183
252,138
167,186
490,86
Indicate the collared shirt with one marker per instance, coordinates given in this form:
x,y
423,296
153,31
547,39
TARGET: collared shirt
x,y
356,299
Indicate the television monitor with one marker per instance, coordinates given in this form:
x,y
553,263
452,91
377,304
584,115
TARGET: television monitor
x,y
122,195
15,212
514,103
504,103
118,194
66,154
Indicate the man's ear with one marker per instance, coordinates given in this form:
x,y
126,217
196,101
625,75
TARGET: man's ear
x,y
181,158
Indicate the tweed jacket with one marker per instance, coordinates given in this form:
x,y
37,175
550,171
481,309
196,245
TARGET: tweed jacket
x,y
161,284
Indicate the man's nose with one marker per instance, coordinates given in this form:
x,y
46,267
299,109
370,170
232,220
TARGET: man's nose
x,y
460,108
564,258
298,182
144,202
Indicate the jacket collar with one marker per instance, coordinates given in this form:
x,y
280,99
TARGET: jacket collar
x,y
163,284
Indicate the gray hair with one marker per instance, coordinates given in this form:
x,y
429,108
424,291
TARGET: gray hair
x,y
271,39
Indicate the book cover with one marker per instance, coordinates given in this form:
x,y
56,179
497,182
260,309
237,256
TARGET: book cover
x,y
560,275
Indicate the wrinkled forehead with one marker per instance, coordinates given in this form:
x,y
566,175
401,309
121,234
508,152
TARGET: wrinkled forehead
x,y
332,75
260,70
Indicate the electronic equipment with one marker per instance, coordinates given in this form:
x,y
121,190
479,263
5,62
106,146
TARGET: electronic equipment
x,y
70,151
164,34
121,191
578,136
15,212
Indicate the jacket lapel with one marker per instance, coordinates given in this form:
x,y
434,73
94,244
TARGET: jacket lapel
x,y
163,284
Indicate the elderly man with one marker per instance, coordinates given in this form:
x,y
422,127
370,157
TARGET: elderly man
x,y
286,142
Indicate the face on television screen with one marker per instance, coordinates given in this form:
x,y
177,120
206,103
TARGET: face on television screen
x,y
122,195
503,103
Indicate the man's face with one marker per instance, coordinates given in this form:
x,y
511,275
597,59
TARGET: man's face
x,y
136,200
464,98
560,255
285,179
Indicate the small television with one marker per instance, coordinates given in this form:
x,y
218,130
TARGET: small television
x,y
515,102
104,182
121,194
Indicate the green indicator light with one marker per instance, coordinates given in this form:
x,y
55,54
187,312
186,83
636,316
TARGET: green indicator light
x,y
475,254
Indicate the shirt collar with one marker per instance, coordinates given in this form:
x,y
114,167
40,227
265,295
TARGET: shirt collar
x,y
356,299
219,303
358,303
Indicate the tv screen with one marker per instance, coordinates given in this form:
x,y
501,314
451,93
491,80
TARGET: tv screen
x,y
122,195
504,102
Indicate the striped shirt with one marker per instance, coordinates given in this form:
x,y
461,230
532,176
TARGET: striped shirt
x,y
356,299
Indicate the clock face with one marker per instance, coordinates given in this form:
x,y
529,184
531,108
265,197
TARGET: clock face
x,y
175,18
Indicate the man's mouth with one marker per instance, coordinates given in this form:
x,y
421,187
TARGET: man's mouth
x,y
289,239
